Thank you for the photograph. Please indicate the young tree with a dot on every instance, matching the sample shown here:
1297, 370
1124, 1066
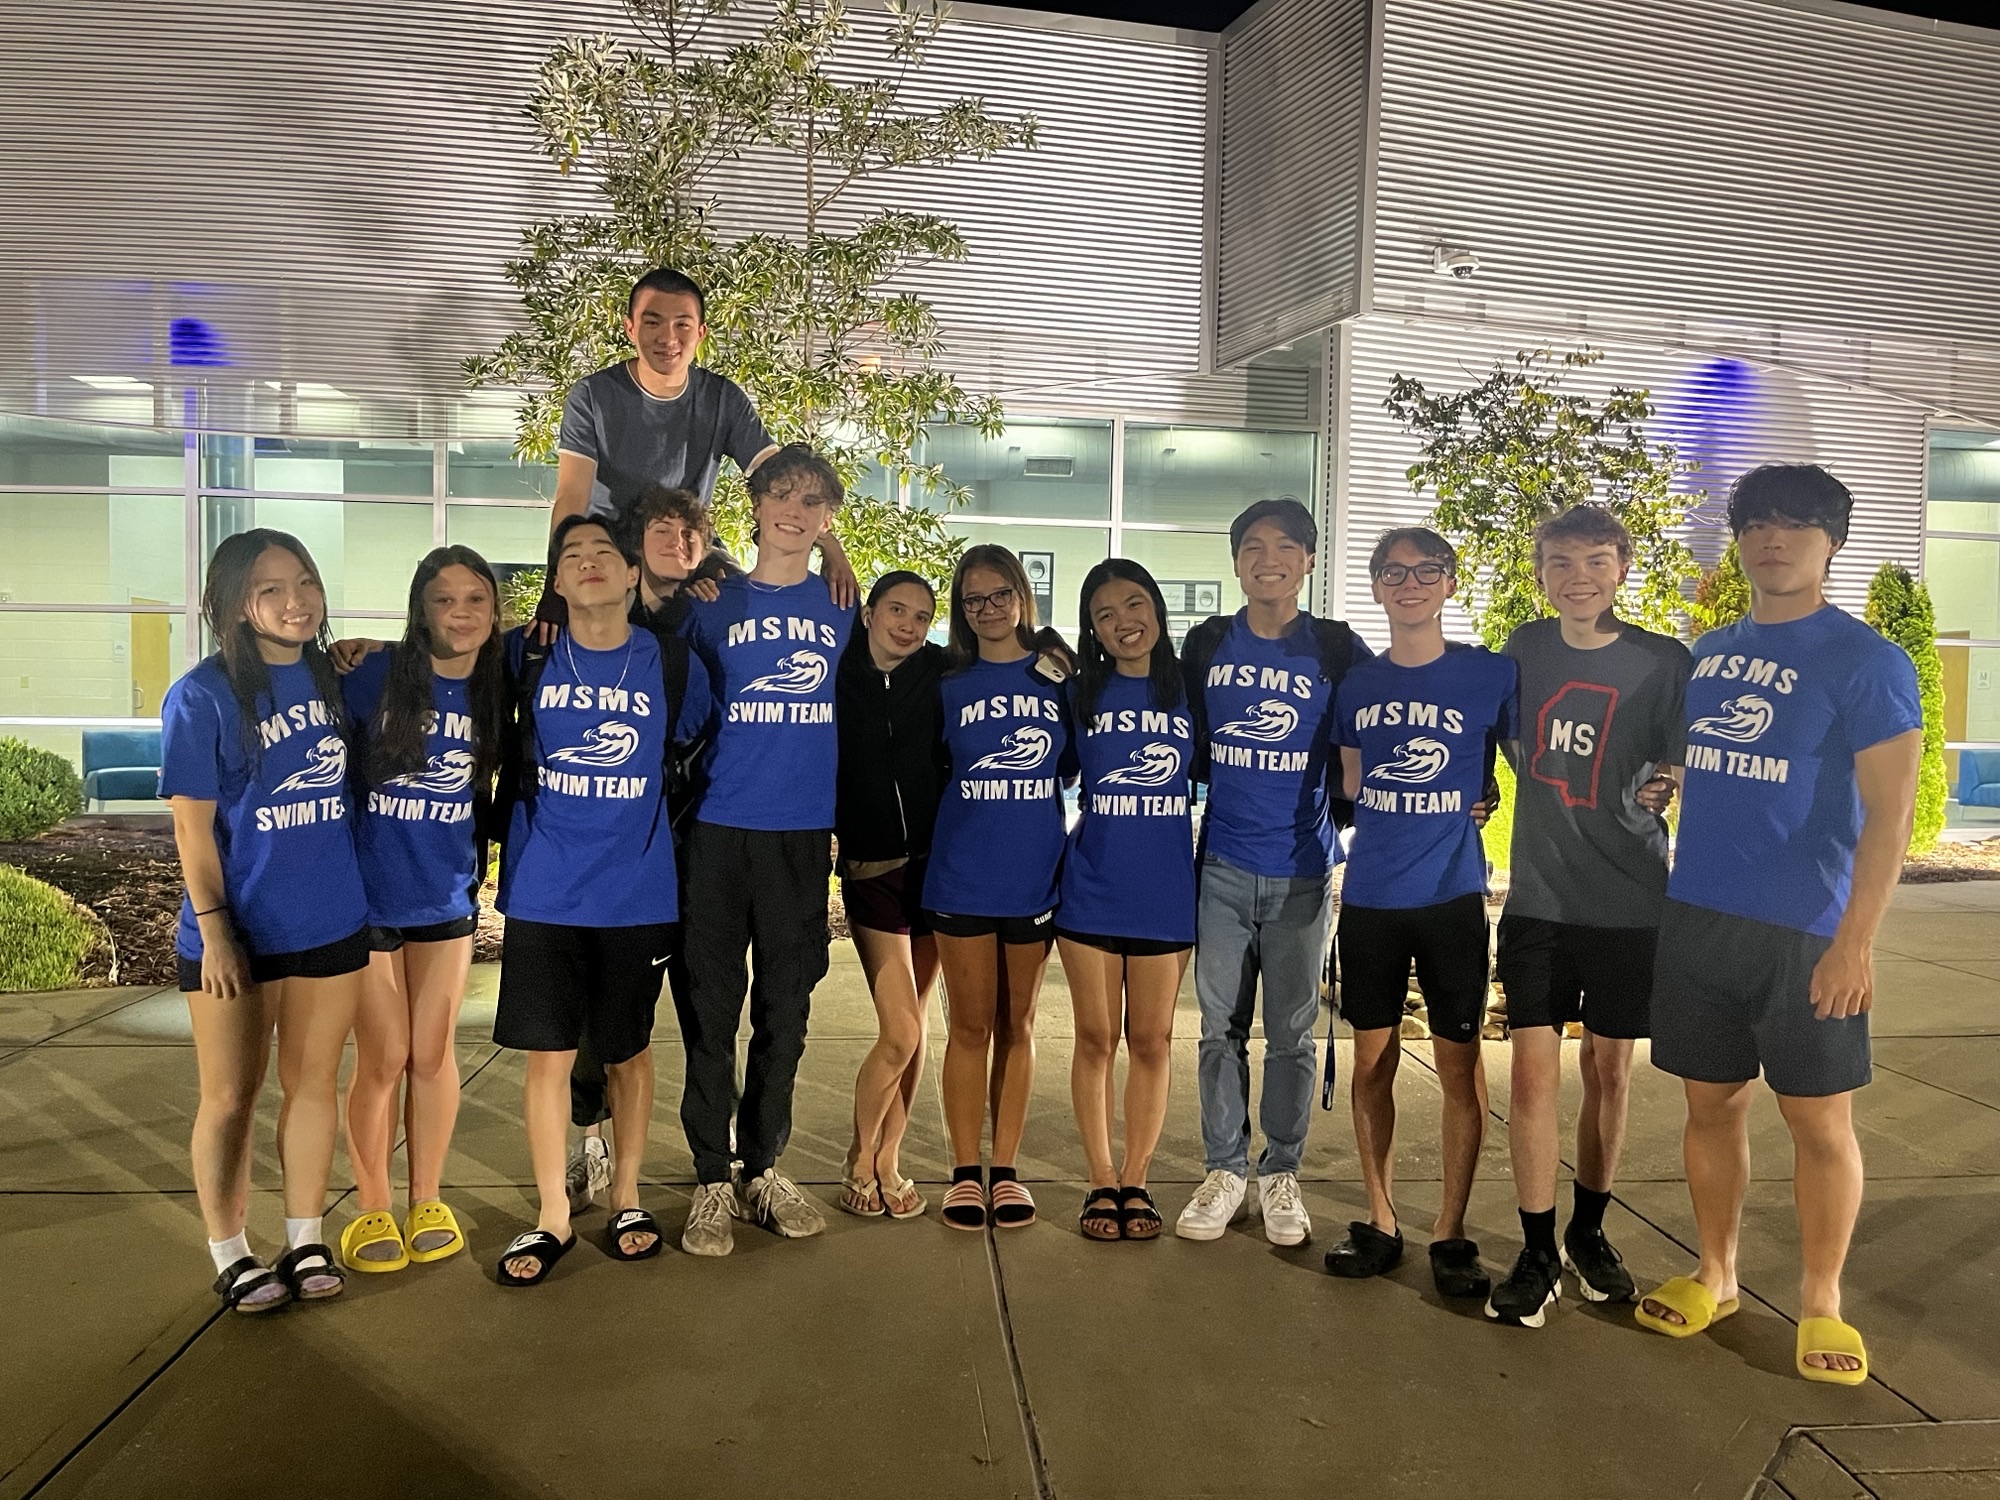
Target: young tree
1516, 449
1900, 607
813, 312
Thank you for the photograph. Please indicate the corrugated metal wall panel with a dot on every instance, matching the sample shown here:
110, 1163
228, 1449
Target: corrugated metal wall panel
1875, 445
1813, 184
336, 189
1295, 125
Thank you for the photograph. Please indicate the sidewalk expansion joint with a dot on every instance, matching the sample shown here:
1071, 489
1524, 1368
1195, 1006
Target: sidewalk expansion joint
1030, 1431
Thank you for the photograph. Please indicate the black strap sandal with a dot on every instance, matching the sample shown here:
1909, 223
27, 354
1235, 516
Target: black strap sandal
244, 1279
1366, 1252
1102, 1218
1140, 1216
308, 1263
1456, 1270
543, 1246
632, 1221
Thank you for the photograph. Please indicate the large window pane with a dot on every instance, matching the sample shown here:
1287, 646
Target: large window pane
36, 450
365, 552
1964, 580
1038, 467
314, 466
1056, 558
489, 471
1964, 466
93, 549
1962, 515
505, 535
1193, 571
99, 666
1971, 692
1204, 476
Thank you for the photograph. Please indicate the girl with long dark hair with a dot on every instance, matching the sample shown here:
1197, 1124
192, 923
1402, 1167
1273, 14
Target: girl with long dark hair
1127, 898
885, 805
254, 761
990, 891
430, 716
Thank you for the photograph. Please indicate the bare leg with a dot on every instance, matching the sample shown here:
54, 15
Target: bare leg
381, 1055
1826, 1187
1531, 1116
1607, 1092
896, 1122
436, 974
315, 1017
1096, 984
629, 1086
1463, 1077
971, 979
232, 1049
1151, 986
1376, 1054
1014, 1047
886, 958
1716, 1148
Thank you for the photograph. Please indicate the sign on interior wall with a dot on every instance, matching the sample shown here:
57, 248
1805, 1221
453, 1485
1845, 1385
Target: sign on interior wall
1041, 570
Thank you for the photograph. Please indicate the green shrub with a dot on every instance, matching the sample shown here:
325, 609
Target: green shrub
43, 937
38, 789
1900, 607
519, 595
1498, 834
1722, 597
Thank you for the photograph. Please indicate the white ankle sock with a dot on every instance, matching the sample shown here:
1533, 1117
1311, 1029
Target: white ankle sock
227, 1252
302, 1232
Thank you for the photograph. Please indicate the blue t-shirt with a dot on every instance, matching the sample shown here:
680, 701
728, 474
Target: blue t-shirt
1269, 732
415, 834
999, 834
1129, 868
1425, 735
771, 654
1770, 815
282, 816
594, 846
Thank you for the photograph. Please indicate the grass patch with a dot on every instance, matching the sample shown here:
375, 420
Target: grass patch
43, 934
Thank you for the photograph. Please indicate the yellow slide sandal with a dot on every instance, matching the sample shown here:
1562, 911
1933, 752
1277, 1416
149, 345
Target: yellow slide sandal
366, 1232
1831, 1336
433, 1232
1694, 1302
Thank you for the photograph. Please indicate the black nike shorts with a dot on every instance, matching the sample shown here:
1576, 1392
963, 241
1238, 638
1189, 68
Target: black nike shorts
1557, 972
1446, 944
560, 984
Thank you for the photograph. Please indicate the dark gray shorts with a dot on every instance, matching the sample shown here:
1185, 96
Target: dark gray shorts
1731, 994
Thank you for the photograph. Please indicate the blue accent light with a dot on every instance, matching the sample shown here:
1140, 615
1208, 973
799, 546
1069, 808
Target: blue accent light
1719, 417
192, 341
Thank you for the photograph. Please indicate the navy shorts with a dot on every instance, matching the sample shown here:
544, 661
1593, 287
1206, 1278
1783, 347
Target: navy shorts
1557, 972
1731, 995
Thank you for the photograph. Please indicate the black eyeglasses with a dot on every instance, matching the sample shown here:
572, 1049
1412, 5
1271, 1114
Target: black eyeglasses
977, 604
1395, 575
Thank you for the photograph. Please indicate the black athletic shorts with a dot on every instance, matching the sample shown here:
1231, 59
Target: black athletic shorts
1041, 929
389, 939
1557, 972
1446, 942
328, 961
560, 984
889, 902
1124, 947
1731, 994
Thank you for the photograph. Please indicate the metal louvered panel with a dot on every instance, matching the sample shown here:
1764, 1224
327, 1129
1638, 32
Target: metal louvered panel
1295, 125
1729, 418
333, 190
1814, 183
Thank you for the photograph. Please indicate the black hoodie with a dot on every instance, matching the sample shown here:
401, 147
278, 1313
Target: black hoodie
892, 764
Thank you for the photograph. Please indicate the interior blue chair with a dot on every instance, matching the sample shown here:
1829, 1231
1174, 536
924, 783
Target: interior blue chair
1979, 778
120, 765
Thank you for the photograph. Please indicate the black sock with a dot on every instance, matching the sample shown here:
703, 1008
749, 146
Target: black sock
1540, 1230
1588, 1215
965, 1174
1000, 1174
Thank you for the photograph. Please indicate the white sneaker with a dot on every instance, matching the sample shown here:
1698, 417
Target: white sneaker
777, 1204
1214, 1206
589, 1171
1285, 1219
710, 1226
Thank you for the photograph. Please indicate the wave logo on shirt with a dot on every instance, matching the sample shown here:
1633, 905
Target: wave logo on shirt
1419, 760
1741, 719
446, 775
801, 672
1273, 719
608, 744
1152, 765
326, 765
1021, 750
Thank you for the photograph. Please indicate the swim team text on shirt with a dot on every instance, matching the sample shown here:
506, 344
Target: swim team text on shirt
1776, 714
282, 815
1424, 735
770, 654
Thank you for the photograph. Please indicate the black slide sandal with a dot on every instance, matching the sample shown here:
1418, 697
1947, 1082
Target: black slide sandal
292, 1266
1100, 1208
1137, 1210
546, 1249
255, 1276
632, 1221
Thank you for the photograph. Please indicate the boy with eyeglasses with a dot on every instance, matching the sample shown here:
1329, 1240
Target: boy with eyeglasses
1418, 730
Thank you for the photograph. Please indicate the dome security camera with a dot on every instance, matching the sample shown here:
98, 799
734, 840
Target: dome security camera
1454, 261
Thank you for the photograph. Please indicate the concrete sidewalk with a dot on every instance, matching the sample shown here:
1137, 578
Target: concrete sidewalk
891, 1359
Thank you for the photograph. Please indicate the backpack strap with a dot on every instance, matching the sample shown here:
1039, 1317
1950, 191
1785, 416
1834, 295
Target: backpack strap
1198, 648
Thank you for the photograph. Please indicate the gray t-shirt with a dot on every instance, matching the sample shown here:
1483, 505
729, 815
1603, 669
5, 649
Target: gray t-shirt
1594, 726
636, 439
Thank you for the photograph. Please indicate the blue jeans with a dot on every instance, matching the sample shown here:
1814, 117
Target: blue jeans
1250, 925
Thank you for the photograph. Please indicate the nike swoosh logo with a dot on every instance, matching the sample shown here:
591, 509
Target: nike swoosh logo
658, 961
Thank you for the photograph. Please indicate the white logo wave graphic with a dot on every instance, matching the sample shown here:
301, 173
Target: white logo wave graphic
608, 744
1153, 765
1021, 750
1418, 760
447, 774
1273, 719
326, 765
801, 672
1741, 719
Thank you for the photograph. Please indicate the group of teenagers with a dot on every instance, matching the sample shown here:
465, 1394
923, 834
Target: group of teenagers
668, 755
